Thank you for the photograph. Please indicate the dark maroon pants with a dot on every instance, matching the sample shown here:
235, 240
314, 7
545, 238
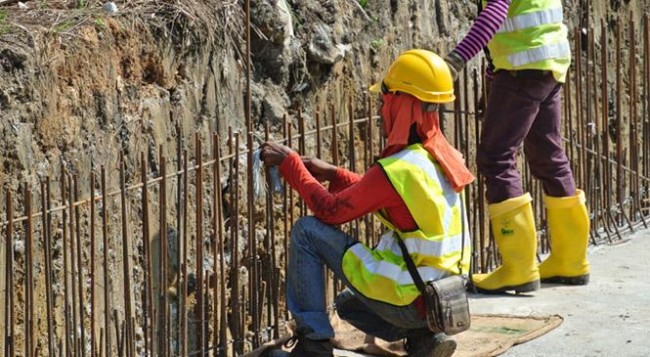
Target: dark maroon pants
523, 110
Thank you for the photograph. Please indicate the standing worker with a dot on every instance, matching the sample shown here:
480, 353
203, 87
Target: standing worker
415, 190
529, 58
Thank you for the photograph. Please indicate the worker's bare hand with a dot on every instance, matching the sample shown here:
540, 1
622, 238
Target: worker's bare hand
321, 170
273, 153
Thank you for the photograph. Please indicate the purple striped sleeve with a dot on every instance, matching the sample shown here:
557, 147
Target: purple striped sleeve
483, 29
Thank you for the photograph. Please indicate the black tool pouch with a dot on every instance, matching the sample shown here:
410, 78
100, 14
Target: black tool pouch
447, 305
445, 299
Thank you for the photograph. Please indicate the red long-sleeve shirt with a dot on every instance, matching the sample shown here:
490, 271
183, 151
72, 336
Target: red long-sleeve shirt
349, 196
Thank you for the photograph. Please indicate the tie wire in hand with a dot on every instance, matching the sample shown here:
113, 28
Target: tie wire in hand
259, 184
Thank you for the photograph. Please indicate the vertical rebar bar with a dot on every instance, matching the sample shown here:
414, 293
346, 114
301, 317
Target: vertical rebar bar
484, 248
619, 114
199, 245
620, 155
292, 203
274, 270
591, 100
464, 135
234, 215
605, 121
568, 131
147, 301
596, 201
319, 148
47, 242
182, 309
589, 183
93, 298
181, 215
214, 244
81, 265
646, 103
477, 195
247, 98
220, 283
73, 265
253, 299
581, 118
10, 316
29, 276
126, 242
301, 133
106, 282
163, 257
335, 144
352, 160
367, 152
466, 139
370, 153
285, 221
68, 344
301, 151
366, 162
633, 143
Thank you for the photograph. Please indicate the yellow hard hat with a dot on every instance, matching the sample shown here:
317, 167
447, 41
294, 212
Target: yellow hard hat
420, 73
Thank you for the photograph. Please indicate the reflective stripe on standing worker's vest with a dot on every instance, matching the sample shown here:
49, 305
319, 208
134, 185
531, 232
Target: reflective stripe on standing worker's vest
435, 246
533, 19
533, 36
556, 50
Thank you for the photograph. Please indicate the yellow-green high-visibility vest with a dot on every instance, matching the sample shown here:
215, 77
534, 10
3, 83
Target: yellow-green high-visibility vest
532, 37
435, 246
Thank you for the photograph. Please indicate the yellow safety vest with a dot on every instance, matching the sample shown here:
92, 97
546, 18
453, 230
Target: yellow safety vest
532, 37
435, 246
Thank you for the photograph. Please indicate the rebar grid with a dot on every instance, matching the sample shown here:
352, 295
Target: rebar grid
184, 259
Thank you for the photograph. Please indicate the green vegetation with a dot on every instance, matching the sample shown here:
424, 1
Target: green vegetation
63, 26
4, 25
363, 3
99, 24
377, 44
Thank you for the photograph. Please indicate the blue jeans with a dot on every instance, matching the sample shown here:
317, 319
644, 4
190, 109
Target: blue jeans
314, 243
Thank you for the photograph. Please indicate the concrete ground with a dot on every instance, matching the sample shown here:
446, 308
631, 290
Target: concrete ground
608, 317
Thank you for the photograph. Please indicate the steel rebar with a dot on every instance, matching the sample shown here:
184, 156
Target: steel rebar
10, 320
105, 268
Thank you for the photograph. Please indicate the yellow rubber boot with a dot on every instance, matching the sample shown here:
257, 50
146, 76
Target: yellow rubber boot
568, 225
513, 226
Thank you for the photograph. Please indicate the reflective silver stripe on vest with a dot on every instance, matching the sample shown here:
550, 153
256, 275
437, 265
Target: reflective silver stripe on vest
427, 247
449, 244
450, 195
392, 271
538, 18
425, 164
557, 50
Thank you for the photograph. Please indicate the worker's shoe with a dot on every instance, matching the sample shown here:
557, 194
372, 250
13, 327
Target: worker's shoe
513, 226
568, 225
424, 343
304, 347
308, 348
